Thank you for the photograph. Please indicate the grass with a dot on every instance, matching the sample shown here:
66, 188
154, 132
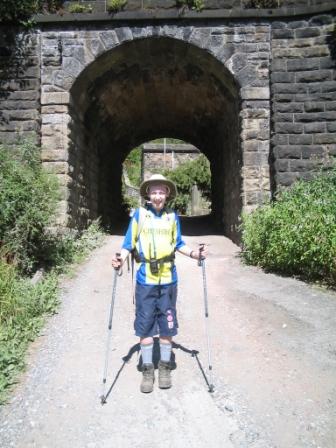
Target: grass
24, 306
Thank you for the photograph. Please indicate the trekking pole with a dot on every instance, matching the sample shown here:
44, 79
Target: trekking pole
109, 333
201, 262
128, 264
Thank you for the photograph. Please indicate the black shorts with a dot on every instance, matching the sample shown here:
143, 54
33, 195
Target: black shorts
155, 310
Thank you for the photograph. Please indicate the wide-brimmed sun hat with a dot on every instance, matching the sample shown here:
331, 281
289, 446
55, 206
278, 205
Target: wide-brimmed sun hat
158, 179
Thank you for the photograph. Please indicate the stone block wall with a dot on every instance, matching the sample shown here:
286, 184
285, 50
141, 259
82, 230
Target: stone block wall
268, 71
19, 84
303, 87
154, 160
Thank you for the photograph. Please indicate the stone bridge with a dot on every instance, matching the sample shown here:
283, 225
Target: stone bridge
254, 90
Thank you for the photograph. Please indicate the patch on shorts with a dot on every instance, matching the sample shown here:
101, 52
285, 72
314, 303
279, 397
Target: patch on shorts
170, 319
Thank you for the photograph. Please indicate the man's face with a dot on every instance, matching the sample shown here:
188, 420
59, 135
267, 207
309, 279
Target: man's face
158, 195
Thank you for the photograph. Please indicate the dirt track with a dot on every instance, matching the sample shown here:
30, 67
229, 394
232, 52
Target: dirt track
274, 359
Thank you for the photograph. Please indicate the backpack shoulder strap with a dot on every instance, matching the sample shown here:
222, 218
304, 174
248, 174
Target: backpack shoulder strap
171, 218
141, 221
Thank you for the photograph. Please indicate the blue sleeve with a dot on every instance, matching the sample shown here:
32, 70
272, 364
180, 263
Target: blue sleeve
179, 241
129, 240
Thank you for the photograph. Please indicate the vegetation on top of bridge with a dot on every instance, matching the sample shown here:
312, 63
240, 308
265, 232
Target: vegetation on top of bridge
296, 234
27, 11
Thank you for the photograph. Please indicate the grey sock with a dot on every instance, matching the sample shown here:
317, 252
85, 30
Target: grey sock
165, 352
147, 353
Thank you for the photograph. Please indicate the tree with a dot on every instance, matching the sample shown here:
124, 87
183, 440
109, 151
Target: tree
195, 172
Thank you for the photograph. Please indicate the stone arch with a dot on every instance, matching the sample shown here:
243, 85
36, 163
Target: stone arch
127, 88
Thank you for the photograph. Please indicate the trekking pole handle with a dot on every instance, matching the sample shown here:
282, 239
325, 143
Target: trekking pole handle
118, 257
200, 258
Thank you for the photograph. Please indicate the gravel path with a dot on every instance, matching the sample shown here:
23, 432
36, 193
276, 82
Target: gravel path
274, 357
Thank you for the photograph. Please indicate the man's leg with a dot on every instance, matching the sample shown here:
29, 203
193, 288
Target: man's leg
164, 363
165, 348
168, 328
145, 327
146, 346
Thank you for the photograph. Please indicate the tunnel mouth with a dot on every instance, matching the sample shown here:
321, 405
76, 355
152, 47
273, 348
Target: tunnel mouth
143, 90
182, 163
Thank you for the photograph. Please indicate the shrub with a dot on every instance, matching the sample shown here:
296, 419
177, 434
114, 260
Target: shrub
192, 4
132, 164
76, 8
185, 176
115, 5
24, 306
28, 200
67, 246
262, 4
296, 235
22, 310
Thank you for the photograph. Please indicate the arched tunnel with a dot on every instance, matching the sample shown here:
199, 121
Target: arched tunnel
146, 89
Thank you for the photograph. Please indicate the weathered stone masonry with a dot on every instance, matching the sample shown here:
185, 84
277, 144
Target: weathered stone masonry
256, 95
303, 97
20, 83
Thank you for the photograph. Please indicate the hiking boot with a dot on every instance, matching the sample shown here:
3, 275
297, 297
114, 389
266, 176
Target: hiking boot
147, 378
164, 375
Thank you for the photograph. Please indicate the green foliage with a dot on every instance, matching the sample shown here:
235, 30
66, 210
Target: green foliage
75, 8
21, 10
132, 165
261, 4
22, 310
24, 306
84, 242
130, 202
28, 199
69, 246
296, 235
185, 176
198, 5
13, 10
115, 5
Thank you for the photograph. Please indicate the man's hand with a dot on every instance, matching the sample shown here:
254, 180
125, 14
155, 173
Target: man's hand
117, 261
201, 253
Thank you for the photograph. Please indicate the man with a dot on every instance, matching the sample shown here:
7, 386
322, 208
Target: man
154, 235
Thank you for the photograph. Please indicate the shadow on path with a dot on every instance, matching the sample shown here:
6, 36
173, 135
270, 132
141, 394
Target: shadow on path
156, 357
